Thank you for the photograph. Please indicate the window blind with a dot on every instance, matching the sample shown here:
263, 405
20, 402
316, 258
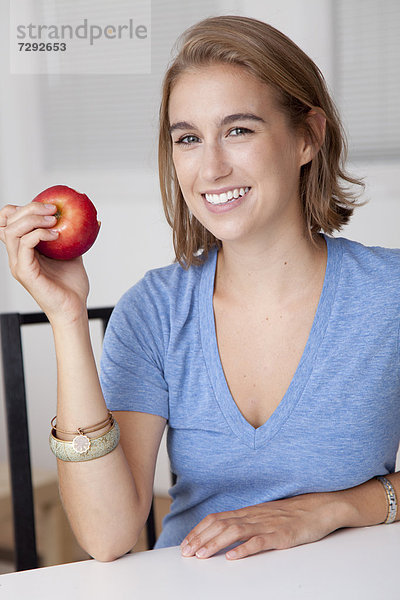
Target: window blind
110, 121
367, 75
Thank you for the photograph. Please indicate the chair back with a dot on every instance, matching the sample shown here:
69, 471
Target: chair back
18, 434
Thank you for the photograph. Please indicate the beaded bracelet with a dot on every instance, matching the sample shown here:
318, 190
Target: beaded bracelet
391, 499
83, 448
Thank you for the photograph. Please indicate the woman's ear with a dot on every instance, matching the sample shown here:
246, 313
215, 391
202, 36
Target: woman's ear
315, 133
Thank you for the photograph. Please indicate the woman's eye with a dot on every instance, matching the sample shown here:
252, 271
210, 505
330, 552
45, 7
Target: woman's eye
186, 140
240, 131
190, 139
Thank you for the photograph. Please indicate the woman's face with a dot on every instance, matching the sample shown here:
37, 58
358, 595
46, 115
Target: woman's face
236, 158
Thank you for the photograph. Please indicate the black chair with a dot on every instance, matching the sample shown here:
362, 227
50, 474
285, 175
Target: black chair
25, 551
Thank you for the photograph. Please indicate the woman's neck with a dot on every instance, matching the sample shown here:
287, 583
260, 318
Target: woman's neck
270, 272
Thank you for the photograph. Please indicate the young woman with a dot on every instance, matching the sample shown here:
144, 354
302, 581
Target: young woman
269, 347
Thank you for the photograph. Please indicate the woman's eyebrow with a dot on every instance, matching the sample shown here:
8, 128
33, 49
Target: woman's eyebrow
225, 121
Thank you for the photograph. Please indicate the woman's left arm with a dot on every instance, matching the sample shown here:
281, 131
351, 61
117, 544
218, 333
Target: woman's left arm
290, 522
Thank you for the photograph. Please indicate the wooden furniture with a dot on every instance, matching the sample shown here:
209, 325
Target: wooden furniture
18, 435
55, 541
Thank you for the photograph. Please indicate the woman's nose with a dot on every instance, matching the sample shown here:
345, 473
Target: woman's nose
214, 162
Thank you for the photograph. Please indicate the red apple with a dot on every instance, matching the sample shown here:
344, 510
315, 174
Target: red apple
76, 221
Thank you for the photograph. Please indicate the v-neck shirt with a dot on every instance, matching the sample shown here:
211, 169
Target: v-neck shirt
337, 425
256, 437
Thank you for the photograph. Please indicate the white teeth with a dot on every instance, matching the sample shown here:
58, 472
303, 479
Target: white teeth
226, 196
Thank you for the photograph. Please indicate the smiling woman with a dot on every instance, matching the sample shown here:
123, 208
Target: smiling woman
269, 348
295, 87
255, 153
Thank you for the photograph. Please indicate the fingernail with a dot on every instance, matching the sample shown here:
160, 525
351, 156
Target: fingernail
54, 232
50, 218
186, 550
201, 553
231, 554
49, 206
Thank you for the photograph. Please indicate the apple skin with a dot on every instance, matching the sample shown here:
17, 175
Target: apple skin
76, 222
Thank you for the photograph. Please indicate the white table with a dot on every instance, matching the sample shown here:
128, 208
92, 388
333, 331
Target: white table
352, 563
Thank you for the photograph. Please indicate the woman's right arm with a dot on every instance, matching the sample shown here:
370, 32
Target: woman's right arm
107, 500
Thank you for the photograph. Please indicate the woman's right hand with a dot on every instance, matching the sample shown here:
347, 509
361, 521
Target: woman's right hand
60, 287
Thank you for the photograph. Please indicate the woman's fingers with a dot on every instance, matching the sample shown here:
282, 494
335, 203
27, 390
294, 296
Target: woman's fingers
12, 212
256, 534
28, 223
59, 287
24, 234
15, 221
31, 240
20, 222
5, 213
215, 532
267, 526
215, 517
222, 534
25, 265
257, 543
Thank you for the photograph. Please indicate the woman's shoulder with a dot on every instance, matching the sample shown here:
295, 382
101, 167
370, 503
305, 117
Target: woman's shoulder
376, 267
365, 255
365, 249
164, 287
172, 280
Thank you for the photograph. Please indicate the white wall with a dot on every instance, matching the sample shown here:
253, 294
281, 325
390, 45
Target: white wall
134, 237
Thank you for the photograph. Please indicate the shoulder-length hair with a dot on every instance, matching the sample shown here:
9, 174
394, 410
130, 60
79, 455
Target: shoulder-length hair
326, 192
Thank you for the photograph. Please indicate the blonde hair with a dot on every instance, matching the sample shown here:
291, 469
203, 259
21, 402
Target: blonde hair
326, 198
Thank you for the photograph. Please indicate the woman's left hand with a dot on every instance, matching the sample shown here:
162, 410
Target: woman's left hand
268, 526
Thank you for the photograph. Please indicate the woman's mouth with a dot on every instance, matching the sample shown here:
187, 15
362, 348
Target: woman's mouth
226, 197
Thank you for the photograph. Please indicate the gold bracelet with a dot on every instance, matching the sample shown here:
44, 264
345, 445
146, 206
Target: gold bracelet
83, 430
87, 448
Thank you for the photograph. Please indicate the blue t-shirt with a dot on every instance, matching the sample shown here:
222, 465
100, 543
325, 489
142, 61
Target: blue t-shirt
338, 424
